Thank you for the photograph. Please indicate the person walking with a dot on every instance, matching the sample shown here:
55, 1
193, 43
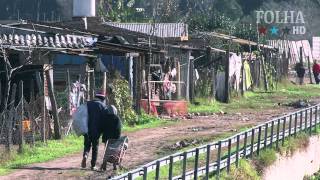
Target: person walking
96, 113
316, 71
300, 72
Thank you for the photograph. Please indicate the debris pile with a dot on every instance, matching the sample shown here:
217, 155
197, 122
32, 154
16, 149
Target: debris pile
299, 104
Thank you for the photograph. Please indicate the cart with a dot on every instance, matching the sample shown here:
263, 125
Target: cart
114, 152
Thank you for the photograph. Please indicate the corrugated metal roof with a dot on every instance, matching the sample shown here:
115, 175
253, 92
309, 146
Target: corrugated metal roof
57, 41
11, 36
163, 30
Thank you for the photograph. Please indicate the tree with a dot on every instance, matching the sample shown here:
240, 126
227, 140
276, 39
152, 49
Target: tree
119, 11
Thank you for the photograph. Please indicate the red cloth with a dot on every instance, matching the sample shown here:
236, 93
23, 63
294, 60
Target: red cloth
316, 68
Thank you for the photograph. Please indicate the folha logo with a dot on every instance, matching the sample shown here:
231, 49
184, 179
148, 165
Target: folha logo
292, 22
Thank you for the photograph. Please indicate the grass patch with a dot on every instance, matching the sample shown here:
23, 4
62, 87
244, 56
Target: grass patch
245, 171
40, 153
152, 124
146, 121
265, 159
205, 106
291, 145
258, 100
59, 148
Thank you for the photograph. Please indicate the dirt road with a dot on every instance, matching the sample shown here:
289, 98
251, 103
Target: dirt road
146, 144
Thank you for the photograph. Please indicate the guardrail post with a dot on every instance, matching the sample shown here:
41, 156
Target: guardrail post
145, 173
157, 170
129, 176
271, 137
171, 168
208, 161
229, 156
252, 142
290, 125
237, 150
301, 119
278, 132
259, 140
311, 120
196, 164
306, 120
245, 144
284, 129
184, 166
295, 124
266, 136
218, 160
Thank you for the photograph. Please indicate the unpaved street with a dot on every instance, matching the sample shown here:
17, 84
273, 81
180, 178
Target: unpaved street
146, 144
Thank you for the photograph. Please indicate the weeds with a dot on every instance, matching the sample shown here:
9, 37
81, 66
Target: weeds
265, 159
245, 171
291, 145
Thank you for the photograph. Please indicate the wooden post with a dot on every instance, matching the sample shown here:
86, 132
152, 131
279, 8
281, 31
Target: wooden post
188, 79
44, 115
93, 84
178, 79
68, 90
264, 71
89, 84
21, 117
10, 116
149, 57
310, 69
243, 80
227, 85
137, 80
105, 82
30, 111
57, 134
191, 85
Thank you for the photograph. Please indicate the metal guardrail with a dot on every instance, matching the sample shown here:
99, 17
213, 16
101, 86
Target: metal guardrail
212, 158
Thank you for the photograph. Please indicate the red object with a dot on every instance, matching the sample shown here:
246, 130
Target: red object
178, 108
316, 68
263, 30
153, 108
171, 108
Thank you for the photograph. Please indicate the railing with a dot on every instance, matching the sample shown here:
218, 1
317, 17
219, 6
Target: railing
210, 159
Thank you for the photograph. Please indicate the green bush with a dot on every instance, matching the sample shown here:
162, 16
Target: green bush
122, 99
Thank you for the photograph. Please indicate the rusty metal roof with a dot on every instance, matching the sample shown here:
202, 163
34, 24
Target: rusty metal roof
162, 30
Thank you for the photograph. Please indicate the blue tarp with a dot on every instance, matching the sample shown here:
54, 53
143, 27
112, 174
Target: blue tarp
117, 62
62, 59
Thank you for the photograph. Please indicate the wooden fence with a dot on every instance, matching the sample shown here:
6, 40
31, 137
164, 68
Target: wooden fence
208, 160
